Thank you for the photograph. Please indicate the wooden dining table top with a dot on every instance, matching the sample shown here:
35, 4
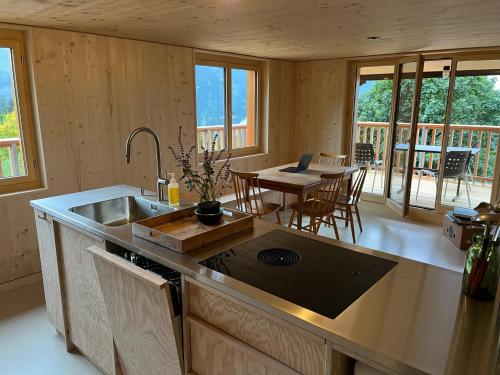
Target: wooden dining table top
300, 180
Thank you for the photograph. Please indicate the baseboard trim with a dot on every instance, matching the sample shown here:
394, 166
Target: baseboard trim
25, 280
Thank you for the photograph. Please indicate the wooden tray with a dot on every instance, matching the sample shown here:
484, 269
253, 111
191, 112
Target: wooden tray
181, 231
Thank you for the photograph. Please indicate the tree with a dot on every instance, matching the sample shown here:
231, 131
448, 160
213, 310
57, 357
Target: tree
9, 127
475, 101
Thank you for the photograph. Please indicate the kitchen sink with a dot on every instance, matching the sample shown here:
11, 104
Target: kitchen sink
121, 211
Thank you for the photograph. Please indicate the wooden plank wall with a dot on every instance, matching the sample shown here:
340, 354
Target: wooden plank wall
320, 106
91, 91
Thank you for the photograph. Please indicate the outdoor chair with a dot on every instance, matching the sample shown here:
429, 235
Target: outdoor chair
455, 166
365, 154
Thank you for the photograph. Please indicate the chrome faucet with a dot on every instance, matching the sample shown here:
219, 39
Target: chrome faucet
160, 182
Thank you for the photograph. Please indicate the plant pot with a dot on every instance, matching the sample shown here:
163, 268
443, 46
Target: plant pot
209, 213
212, 207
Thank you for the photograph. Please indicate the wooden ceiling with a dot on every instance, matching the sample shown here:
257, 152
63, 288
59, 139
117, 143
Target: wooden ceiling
283, 29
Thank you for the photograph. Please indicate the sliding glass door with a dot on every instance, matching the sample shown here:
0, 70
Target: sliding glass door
432, 125
475, 131
404, 125
373, 103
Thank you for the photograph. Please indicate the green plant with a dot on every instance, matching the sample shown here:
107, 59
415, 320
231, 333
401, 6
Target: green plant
212, 180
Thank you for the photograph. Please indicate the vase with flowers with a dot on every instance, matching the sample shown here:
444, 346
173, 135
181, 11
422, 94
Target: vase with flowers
209, 181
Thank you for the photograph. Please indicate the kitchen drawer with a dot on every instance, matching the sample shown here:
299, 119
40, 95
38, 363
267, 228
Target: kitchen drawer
284, 342
214, 352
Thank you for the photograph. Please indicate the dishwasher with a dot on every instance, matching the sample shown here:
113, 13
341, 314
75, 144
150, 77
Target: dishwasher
173, 277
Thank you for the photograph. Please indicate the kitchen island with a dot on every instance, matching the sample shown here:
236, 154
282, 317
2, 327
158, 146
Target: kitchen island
414, 320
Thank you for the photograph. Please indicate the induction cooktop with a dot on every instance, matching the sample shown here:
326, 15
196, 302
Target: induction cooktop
321, 277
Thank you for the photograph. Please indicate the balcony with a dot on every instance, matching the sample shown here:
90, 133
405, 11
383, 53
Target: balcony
11, 164
484, 137
240, 136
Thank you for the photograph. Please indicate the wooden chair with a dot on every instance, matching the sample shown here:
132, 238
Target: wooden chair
320, 206
348, 205
249, 196
334, 160
146, 332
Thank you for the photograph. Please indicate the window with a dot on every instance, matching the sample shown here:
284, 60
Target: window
18, 166
227, 103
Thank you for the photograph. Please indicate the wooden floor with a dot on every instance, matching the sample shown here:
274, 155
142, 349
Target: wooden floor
427, 192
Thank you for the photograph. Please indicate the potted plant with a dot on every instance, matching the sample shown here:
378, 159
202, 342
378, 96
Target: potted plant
209, 182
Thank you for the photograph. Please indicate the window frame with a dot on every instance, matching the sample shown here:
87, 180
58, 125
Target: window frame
14, 40
228, 63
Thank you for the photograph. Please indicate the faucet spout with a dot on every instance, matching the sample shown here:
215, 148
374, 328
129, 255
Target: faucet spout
160, 180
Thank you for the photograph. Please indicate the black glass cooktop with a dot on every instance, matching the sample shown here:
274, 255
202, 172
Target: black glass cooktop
321, 277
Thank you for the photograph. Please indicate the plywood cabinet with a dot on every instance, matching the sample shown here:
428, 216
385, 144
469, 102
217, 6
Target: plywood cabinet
51, 271
122, 319
223, 331
89, 327
215, 352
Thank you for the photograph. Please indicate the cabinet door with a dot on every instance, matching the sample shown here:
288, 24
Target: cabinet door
47, 246
214, 352
139, 304
287, 344
89, 327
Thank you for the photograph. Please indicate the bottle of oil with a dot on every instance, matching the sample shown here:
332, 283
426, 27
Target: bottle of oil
173, 191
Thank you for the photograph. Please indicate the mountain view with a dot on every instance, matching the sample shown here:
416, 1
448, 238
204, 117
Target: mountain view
210, 95
9, 127
6, 102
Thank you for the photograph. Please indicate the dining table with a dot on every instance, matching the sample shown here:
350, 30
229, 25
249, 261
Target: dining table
301, 183
435, 149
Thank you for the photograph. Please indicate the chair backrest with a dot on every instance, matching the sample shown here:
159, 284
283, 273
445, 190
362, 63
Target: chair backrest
364, 153
332, 159
357, 186
247, 191
455, 164
325, 199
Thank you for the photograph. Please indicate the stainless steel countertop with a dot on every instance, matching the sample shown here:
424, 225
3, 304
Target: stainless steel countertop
413, 321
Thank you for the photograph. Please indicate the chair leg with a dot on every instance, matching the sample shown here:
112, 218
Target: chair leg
346, 220
278, 218
312, 225
467, 190
349, 215
358, 217
374, 176
290, 222
418, 185
318, 224
335, 229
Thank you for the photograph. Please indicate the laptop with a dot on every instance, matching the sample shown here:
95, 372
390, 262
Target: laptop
304, 162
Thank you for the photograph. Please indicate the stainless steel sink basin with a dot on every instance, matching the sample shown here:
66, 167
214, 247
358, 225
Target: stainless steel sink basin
121, 211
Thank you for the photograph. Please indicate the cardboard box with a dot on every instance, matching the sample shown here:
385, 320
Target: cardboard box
459, 232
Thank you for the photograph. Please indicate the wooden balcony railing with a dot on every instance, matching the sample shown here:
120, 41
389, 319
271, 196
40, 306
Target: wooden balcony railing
206, 135
479, 136
12, 144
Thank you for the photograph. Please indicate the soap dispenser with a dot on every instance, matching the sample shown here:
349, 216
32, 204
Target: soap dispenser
173, 191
